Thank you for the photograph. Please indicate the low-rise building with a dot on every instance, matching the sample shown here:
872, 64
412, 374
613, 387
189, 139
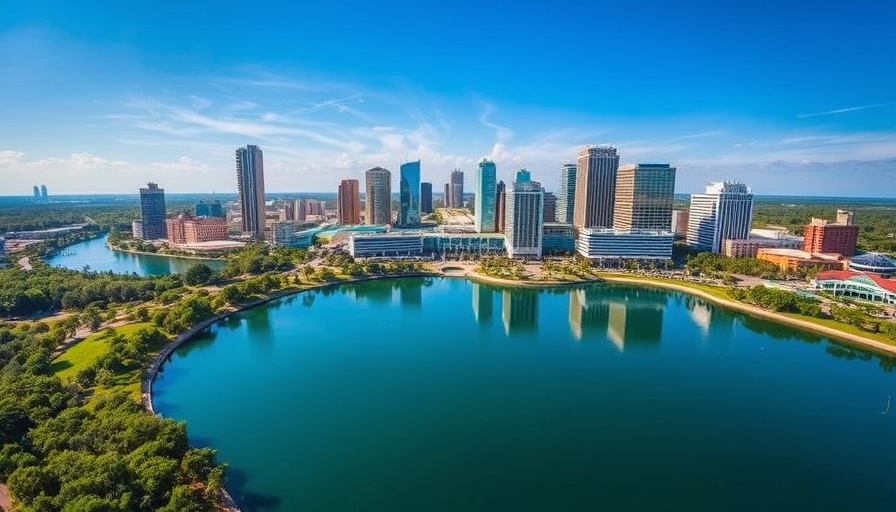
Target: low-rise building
857, 285
605, 243
193, 231
395, 244
761, 239
874, 262
794, 260
440, 243
558, 238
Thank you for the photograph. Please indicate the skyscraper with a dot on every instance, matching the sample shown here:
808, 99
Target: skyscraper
152, 212
566, 198
348, 204
44, 198
447, 195
724, 211
644, 194
409, 194
525, 208
210, 209
457, 189
550, 207
250, 182
500, 206
36, 194
425, 197
595, 187
485, 200
378, 205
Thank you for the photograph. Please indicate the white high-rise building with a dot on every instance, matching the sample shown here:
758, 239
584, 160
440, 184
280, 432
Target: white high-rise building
725, 211
524, 226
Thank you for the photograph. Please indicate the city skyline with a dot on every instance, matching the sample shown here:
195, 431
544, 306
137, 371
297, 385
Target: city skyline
104, 98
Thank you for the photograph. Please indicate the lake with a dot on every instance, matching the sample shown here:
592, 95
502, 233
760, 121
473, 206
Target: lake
440, 394
96, 254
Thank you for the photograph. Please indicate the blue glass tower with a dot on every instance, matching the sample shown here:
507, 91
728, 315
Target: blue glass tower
486, 182
409, 194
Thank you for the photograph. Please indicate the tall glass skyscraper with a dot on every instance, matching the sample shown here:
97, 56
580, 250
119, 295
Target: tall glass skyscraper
524, 227
566, 194
644, 194
725, 211
250, 181
425, 197
378, 200
152, 212
486, 181
595, 187
409, 194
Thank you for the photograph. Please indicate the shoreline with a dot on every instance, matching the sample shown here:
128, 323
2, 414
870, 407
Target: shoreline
164, 255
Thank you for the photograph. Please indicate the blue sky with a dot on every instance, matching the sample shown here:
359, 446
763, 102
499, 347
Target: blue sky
789, 96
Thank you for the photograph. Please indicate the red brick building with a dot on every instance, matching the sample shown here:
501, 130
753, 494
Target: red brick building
192, 231
824, 237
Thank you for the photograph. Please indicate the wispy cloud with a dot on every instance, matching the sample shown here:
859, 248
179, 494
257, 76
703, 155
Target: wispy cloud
842, 110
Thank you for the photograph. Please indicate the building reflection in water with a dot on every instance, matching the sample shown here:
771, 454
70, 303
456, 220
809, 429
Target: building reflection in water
627, 316
410, 292
483, 303
714, 323
520, 310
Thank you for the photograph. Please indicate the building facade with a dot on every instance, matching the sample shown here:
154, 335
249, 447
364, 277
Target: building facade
822, 236
724, 211
644, 194
210, 209
596, 169
794, 260
250, 182
184, 230
409, 194
500, 206
454, 190
485, 198
857, 285
394, 244
607, 243
425, 197
566, 196
524, 212
378, 205
550, 207
152, 212
679, 222
558, 238
348, 202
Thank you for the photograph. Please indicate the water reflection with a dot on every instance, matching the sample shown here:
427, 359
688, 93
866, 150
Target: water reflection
626, 316
483, 303
714, 323
520, 311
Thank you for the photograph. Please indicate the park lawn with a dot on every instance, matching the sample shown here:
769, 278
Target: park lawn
716, 291
85, 352
846, 328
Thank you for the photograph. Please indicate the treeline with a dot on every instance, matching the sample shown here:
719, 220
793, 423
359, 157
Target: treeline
711, 264
45, 288
260, 258
47, 216
778, 300
348, 265
56, 454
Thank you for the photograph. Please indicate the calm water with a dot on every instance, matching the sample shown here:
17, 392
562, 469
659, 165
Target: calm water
95, 254
444, 395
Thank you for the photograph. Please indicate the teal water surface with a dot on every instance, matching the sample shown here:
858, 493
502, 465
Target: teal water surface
445, 395
97, 256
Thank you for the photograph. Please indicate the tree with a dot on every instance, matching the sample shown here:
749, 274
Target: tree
198, 275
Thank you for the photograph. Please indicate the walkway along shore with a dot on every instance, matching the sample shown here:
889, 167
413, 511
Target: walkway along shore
162, 254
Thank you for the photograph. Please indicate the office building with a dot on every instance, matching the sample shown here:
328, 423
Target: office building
566, 197
550, 207
409, 194
822, 236
766, 238
500, 206
378, 205
250, 183
596, 169
525, 209
394, 244
183, 230
299, 207
425, 198
724, 211
36, 195
152, 212
607, 243
44, 197
455, 197
348, 202
557, 238
644, 194
210, 209
794, 260
485, 199
680, 222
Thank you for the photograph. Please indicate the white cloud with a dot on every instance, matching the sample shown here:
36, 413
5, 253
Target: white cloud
9, 158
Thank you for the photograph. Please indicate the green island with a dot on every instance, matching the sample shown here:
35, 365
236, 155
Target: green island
80, 349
